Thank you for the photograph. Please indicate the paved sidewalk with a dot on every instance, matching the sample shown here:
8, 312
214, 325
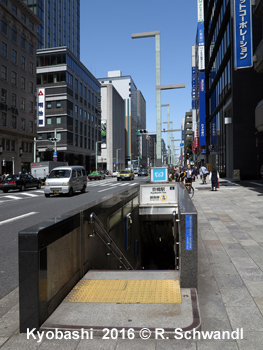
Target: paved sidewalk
230, 279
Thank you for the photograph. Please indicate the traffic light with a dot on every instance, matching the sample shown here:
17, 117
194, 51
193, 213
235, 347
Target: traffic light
142, 131
53, 139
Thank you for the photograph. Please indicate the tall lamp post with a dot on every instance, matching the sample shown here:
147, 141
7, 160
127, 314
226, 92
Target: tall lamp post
97, 154
156, 34
117, 159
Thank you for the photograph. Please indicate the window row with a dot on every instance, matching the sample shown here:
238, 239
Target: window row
16, 123
14, 58
14, 103
14, 36
14, 80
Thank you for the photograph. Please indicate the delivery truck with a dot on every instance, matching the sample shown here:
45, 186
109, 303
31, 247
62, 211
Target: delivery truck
40, 170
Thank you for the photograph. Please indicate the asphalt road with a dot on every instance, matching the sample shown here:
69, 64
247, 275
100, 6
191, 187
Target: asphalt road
19, 210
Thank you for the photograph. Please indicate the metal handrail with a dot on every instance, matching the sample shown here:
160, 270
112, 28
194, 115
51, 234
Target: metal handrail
176, 240
111, 245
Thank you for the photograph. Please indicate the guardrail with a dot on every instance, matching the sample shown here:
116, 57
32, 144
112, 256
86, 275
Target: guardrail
55, 255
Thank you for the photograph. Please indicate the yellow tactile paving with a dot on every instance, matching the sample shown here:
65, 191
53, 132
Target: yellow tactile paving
126, 291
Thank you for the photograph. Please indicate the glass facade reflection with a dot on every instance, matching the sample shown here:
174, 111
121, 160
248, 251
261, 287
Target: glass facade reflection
60, 23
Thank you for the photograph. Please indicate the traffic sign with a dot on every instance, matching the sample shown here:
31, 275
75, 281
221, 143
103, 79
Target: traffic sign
182, 144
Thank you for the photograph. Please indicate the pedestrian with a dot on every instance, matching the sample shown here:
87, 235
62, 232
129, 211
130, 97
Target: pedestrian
214, 178
189, 174
204, 173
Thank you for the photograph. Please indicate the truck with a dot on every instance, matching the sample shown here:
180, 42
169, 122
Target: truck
40, 170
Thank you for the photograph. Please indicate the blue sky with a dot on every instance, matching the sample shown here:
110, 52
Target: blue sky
106, 27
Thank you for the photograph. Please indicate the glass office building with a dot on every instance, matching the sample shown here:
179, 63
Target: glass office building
60, 23
231, 95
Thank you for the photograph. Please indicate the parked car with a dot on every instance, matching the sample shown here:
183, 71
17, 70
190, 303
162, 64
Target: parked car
125, 174
143, 172
96, 175
19, 182
115, 173
66, 180
136, 170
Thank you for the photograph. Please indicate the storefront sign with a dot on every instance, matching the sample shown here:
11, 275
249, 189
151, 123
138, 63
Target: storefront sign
243, 34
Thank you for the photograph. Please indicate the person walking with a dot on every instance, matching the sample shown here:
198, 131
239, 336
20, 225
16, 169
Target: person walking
189, 174
204, 172
214, 178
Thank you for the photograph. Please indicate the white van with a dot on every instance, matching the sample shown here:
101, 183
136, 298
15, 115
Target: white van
66, 180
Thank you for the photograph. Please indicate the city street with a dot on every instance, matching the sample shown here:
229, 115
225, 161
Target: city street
20, 210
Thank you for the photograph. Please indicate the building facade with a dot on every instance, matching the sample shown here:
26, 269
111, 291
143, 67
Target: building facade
68, 108
60, 23
231, 94
112, 129
133, 116
18, 39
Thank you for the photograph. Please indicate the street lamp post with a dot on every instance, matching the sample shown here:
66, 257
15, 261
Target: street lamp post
156, 34
117, 159
97, 154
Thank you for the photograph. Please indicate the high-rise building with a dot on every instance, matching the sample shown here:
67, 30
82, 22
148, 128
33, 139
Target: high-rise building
18, 38
60, 23
226, 37
135, 109
68, 108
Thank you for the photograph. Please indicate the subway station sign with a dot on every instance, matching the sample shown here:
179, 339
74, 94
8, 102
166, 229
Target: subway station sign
243, 34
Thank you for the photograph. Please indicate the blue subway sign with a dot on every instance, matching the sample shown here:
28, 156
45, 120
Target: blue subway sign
243, 34
189, 232
159, 174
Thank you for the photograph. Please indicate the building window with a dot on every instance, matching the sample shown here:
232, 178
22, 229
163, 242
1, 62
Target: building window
23, 104
14, 56
7, 145
49, 105
23, 124
30, 106
49, 121
4, 72
58, 104
23, 62
31, 87
14, 34
13, 100
13, 145
31, 67
3, 96
13, 121
23, 17
30, 126
13, 78
23, 41
14, 9
4, 49
4, 116
30, 47
23, 83
4, 26
59, 120
31, 25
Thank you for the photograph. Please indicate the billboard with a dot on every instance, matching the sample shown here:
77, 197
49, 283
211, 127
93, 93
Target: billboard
243, 34
103, 134
41, 110
202, 109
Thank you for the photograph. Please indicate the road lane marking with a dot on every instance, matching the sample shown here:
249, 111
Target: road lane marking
29, 194
17, 218
13, 197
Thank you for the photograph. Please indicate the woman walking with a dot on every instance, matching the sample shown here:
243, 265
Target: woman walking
214, 178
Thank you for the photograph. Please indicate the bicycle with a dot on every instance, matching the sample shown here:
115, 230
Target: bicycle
190, 189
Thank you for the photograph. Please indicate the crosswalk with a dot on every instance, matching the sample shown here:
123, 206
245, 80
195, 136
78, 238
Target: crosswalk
102, 185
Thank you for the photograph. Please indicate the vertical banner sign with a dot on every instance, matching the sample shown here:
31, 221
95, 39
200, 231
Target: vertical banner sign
40, 107
193, 89
243, 34
103, 134
202, 108
213, 131
189, 232
201, 35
